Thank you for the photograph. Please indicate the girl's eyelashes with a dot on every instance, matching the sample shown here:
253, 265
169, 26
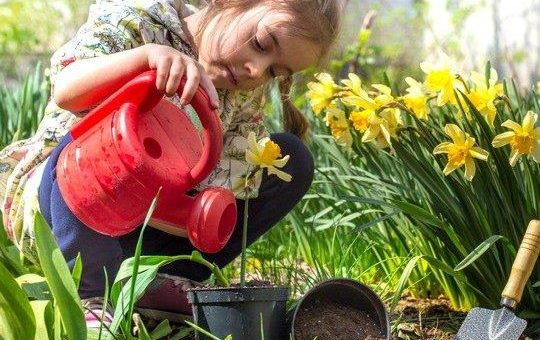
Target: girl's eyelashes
257, 44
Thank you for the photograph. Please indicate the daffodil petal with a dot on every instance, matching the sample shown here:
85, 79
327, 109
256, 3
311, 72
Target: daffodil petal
470, 169
252, 158
382, 89
386, 134
371, 133
281, 174
457, 135
449, 169
529, 120
252, 141
503, 139
442, 148
514, 156
479, 153
536, 152
280, 163
511, 125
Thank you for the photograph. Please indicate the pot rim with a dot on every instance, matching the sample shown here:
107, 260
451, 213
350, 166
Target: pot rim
211, 295
385, 324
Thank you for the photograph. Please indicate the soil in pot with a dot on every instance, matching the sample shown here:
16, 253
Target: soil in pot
331, 321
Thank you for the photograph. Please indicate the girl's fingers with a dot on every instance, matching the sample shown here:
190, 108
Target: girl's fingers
162, 72
175, 76
207, 84
193, 77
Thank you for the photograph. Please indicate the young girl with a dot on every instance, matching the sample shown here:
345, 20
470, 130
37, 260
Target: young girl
234, 46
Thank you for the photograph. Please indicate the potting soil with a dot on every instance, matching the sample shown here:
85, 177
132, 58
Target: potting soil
330, 321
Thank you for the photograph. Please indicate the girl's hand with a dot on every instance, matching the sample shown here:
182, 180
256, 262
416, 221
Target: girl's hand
171, 65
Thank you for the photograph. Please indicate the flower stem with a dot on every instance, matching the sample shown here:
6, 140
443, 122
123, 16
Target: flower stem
244, 242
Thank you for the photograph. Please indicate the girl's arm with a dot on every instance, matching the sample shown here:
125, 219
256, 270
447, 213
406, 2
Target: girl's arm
86, 82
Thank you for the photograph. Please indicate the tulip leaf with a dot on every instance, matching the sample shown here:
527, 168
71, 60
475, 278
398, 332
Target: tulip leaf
16, 316
60, 280
161, 330
44, 316
34, 286
477, 252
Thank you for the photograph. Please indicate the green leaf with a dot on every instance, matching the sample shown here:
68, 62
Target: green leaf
34, 286
76, 273
44, 316
205, 332
418, 213
182, 334
161, 330
403, 280
536, 285
60, 280
125, 297
477, 252
143, 332
16, 317
197, 256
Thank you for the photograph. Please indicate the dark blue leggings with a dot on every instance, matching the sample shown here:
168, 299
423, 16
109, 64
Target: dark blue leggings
276, 198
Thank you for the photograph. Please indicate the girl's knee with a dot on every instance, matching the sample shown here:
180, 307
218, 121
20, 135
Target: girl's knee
300, 165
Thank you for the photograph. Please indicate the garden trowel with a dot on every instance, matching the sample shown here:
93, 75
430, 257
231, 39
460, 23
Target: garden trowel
503, 324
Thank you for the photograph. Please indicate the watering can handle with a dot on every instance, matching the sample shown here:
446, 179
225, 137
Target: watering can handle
142, 92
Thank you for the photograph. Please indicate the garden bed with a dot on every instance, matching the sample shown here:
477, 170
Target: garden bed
413, 318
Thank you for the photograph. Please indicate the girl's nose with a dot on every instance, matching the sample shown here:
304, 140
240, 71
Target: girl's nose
257, 68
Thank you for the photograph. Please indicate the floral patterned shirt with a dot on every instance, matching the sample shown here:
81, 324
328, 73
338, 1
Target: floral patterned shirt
114, 26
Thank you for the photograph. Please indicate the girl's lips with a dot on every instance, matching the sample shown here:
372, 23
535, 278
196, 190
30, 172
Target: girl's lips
231, 77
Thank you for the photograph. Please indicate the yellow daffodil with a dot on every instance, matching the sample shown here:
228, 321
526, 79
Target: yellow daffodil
460, 152
441, 78
339, 127
354, 95
353, 85
360, 119
383, 127
321, 93
361, 100
265, 154
524, 139
483, 96
416, 99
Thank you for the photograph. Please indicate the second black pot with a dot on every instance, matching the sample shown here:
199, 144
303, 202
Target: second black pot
344, 292
243, 313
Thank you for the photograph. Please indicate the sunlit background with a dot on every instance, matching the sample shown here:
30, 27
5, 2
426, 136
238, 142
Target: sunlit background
405, 32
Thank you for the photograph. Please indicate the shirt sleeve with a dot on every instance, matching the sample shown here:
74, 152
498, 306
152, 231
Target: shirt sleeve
105, 32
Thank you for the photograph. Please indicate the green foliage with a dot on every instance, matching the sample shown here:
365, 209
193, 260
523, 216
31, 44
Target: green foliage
467, 232
60, 281
22, 107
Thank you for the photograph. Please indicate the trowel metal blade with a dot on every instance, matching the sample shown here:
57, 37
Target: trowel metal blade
486, 324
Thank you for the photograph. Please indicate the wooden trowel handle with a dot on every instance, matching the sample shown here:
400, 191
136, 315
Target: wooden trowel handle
524, 263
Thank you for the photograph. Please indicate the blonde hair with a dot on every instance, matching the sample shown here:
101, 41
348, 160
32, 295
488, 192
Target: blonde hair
317, 21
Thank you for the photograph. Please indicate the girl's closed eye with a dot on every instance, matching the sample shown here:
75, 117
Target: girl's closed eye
260, 48
257, 44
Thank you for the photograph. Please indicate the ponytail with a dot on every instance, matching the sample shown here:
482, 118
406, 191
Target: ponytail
294, 120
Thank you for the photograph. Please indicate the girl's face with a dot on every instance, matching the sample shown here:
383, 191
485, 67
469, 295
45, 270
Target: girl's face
247, 50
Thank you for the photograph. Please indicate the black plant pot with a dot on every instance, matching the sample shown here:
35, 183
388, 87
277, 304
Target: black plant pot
343, 292
245, 313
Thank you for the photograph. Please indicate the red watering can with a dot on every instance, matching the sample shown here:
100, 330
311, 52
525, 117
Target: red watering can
132, 144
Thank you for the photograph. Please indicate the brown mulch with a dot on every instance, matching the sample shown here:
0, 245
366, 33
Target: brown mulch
421, 319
